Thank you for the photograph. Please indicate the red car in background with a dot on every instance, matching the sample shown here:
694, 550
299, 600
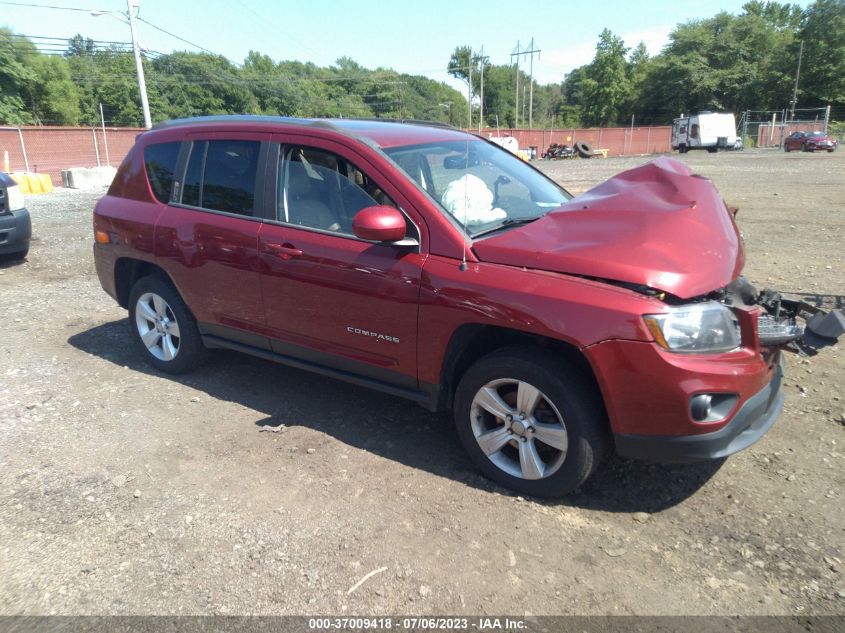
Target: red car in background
809, 142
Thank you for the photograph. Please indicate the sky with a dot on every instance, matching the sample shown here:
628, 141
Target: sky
409, 36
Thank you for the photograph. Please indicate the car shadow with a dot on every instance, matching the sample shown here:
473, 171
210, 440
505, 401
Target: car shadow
388, 426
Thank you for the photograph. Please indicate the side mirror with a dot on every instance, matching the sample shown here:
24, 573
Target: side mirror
379, 224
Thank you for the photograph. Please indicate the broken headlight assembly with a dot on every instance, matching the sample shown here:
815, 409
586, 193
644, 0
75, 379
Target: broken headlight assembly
704, 328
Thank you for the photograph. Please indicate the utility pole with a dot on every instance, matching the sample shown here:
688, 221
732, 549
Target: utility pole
482, 60
529, 51
516, 100
131, 7
129, 18
797, 74
469, 92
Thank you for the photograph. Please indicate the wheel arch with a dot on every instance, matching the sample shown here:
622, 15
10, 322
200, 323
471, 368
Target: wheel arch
127, 271
472, 341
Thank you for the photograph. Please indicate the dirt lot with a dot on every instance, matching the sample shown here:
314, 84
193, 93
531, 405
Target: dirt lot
125, 491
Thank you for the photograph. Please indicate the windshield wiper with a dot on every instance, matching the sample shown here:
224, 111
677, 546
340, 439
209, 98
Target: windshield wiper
507, 222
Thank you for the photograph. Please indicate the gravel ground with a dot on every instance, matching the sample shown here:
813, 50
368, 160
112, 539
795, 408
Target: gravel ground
125, 491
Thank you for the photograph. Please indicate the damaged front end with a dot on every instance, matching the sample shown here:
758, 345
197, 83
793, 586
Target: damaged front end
788, 324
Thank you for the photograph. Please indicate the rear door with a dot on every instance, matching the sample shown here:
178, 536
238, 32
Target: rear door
330, 298
208, 237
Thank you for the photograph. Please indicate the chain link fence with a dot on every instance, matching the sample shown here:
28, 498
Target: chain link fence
618, 141
769, 128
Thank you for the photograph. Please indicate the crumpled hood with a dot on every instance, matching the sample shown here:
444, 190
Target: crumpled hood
657, 225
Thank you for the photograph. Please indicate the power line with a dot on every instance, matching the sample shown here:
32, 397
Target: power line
48, 6
62, 39
181, 39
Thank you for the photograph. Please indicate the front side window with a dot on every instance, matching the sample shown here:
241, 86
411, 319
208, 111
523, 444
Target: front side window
483, 187
160, 162
321, 190
693, 131
221, 176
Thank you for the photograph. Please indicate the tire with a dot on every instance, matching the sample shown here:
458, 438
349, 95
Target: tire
18, 256
786, 148
566, 403
712, 150
584, 150
154, 307
682, 149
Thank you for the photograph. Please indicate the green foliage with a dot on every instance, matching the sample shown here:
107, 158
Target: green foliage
36, 88
823, 68
726, 62
15, 77
606, 85
53, 96
837, 130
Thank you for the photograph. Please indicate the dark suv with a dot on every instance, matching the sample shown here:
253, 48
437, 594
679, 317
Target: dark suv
15, 224
433, 265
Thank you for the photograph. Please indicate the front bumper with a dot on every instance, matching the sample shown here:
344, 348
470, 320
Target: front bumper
753, 419
15, 231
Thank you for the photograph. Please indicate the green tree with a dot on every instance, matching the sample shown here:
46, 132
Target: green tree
606, 87
14, 77
53, 97
823, 69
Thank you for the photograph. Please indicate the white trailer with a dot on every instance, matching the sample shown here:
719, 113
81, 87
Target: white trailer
706, 130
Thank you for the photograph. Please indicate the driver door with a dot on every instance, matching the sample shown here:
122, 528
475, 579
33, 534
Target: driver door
330, 298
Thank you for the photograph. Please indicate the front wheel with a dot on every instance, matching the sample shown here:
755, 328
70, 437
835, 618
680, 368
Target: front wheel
531, 422
163, 327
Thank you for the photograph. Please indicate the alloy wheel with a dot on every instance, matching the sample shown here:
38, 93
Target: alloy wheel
157, 326
519, 428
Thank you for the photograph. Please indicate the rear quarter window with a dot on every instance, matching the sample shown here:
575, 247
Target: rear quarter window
221, 176
160, 162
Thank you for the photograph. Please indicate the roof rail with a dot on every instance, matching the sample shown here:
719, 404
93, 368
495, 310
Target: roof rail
258, 118
423, 122
235, 118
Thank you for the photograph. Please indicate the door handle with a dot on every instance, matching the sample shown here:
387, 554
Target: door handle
284, 251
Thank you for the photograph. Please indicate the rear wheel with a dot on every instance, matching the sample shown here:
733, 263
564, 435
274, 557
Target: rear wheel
164, 330
530, 422
682, 149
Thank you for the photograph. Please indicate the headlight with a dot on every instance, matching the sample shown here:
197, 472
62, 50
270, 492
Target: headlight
15, 197
699, 327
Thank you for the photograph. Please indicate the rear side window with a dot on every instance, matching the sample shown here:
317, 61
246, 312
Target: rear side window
160, 161
221, 176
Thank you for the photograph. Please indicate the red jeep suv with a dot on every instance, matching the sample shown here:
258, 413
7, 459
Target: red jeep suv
431, 264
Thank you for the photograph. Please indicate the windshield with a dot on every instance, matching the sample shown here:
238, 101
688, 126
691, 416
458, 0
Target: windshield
481, 185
